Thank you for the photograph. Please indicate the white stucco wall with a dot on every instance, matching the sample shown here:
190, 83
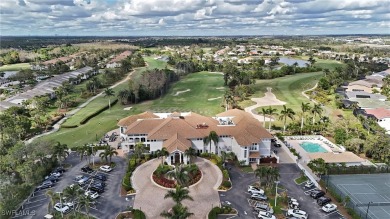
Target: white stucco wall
265, 147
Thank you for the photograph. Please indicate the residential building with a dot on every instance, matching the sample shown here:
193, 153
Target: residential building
116, 61
239, 132
382, 116
362, 94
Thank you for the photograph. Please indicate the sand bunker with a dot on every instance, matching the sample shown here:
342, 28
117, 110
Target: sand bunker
269, 99
220, 88
179, 92
216, 98
127, 108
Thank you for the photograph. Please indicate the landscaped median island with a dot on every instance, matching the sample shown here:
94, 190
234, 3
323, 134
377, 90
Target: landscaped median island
169, 177
133, 213
219, 162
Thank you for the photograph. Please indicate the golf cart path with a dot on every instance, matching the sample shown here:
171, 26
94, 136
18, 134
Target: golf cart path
56, 126
269, 99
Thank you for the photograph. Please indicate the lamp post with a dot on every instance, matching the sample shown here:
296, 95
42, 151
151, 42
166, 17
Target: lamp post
62, 214
93, 155
276, 192
368, 207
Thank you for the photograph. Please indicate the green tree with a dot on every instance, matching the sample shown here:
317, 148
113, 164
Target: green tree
108, 153
261, 173
271, 112
108, 92
212, 137
61, 151
305, 107
190, 153
284, 114
177, 212
264, 111
318, 166
316, 110
180, 174
53, 198
138, 150
179, 194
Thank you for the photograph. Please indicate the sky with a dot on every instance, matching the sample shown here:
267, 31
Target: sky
193, 17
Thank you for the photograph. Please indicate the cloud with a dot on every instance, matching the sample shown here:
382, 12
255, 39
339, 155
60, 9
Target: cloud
193, 17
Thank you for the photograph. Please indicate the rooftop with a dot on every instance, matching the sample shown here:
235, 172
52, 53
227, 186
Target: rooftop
345, 157
379, 113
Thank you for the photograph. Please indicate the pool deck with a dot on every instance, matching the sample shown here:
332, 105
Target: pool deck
304, 154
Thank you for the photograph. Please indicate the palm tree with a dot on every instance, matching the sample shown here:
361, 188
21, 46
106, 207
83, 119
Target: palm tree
271, 112
265, 112
316, 110
108, 92
61, 151
108, 153
304, 107
138, 150
123, 95
284, 114
180, 174
71, 193
179, 194
311, 60
272, 176
190, 152
177, 212
229, 99
54, 197
212, 137
84, 202
261, 172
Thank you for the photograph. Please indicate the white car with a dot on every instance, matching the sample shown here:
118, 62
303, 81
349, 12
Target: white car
92, 195
329, 208
61, 208
253, 190
265, 215
309, 184
105, 168
297, 213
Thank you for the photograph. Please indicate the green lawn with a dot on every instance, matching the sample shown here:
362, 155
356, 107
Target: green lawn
329, 64
202, 86
301, 180
153, 63
15, 67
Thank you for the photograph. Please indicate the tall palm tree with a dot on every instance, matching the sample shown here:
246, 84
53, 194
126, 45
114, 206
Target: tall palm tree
229, 99
190, 152
305, 107
163, 153
138, 150
108, 153
123, 95
53, 197
179, 194
212, 137
272, 176
261, 173
108, 92
316, 110
61, 151
180, 174
284, 114
85, 202
177, 212
271, 112
71, 193
264, 112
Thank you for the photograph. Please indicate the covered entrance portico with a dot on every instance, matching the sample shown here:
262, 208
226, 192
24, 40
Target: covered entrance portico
177, 157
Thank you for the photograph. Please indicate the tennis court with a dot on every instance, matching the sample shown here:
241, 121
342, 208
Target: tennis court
364, 189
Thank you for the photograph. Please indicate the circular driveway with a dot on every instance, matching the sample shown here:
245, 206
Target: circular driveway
150, 198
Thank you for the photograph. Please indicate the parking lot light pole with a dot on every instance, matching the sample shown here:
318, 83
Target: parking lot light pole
368, 207
276, 191
62, 214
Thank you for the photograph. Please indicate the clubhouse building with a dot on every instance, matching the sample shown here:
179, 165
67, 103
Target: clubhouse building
239, 132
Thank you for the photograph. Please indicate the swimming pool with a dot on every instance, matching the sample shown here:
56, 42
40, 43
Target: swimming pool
311, 147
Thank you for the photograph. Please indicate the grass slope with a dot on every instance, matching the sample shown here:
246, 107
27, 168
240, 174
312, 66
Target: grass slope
202, 87
15, 67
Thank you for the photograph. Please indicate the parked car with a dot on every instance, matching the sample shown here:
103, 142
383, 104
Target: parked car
278, 145
52, 178
97, 189
91, 194
253, 190
60, 207
321, 201
105, 168
81, 180
263, 207
100, 176
293, 205
59, 169
329, 208
99, 183
265, 215
309, 184
87, 169
56, 174
258, 196
297, 213
317, 193
45, 185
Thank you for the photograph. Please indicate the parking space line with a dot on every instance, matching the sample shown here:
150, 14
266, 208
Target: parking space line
32, 207
43, 199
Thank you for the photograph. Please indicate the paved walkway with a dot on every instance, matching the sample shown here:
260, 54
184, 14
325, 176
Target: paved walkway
269, 99
57, 126
150, 198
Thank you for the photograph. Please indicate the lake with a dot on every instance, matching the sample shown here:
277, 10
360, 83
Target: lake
291, 61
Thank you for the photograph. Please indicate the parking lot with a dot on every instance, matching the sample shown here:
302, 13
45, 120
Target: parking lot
108, 204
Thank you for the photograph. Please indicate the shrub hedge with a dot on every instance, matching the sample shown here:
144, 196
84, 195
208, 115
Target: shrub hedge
86, 119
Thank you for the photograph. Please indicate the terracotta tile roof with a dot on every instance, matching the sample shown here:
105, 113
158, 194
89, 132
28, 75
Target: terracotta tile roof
345, 157
177, 142
143, 126
130, 119
120, 57
170, 126
254, 154
379, 113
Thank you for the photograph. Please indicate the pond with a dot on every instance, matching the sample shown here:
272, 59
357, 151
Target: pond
291, 61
